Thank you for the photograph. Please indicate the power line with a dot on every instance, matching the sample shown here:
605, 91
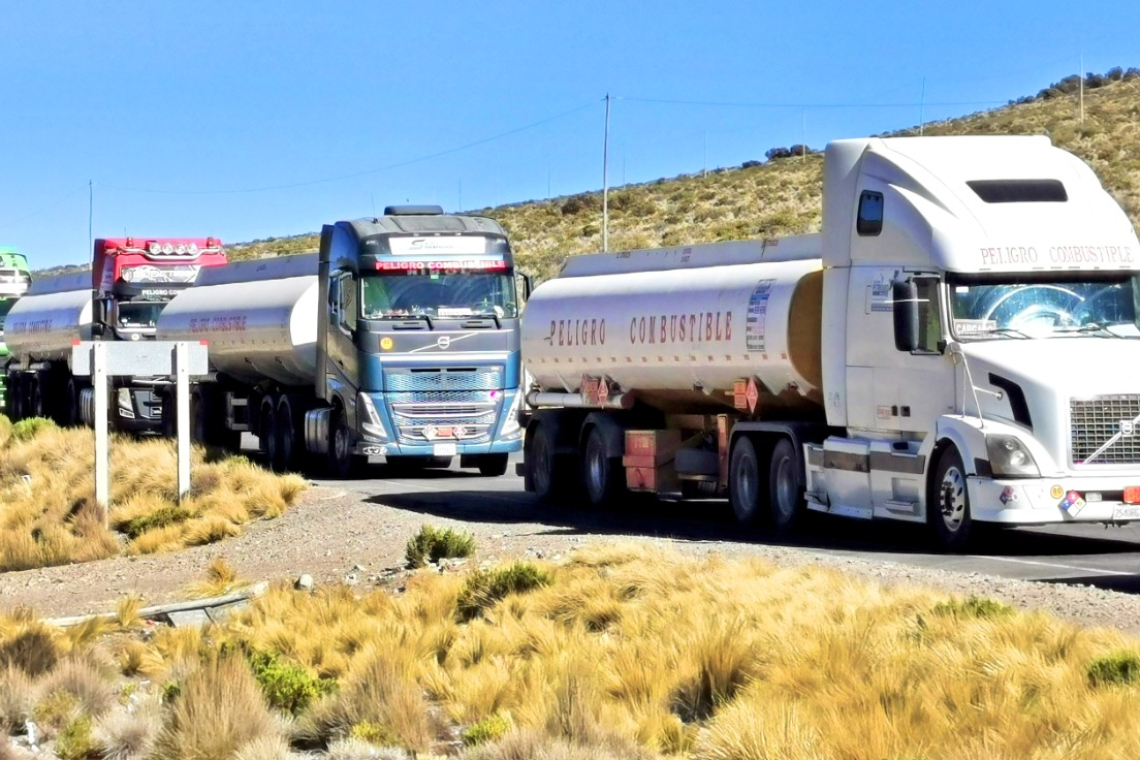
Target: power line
364, 173
47, 207
716, 103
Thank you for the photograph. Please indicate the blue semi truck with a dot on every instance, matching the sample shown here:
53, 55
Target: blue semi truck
397, 343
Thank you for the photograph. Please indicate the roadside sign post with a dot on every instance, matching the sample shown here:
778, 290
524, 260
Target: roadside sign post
103, 360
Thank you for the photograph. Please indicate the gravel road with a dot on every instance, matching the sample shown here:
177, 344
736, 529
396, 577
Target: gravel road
337, 534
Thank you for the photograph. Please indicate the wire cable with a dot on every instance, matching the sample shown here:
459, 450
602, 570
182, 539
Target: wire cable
365, 172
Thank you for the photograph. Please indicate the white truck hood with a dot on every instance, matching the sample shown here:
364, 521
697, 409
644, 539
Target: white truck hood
1075, 389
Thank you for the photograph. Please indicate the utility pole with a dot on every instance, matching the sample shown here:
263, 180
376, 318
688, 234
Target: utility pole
1082, 95
803, 134
705, 172
90, 218
921, 108
606, 181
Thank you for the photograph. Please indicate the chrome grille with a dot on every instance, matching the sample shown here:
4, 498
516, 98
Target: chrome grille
484, 379
437, 416
1093, 421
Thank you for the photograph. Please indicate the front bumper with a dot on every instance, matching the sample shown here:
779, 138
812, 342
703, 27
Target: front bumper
396, 450
1043, 501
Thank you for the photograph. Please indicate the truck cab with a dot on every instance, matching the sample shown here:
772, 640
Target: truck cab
979, 323
420, 359
131, 281
15, 278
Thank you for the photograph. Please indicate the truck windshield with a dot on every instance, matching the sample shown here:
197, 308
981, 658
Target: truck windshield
439, 295
139, 314
1046, 307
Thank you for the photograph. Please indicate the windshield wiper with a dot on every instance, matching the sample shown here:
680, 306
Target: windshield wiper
1008, 332
410, 317
1102, 331
487, 315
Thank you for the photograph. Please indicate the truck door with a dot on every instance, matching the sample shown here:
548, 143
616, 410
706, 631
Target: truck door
344, 368
895, 391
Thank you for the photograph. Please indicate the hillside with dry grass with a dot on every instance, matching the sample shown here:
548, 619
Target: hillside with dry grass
618, 653
49, 516
784, 196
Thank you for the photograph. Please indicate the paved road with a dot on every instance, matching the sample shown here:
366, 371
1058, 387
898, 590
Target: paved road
1093, 555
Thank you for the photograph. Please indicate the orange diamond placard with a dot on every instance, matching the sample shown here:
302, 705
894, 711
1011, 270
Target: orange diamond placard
752, 394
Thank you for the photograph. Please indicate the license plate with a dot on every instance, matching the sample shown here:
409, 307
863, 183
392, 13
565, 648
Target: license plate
1126, 513
444, 449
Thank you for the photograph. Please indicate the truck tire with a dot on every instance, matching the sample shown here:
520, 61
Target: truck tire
169, 426
744, 482
342, 464
549, 476
290, 435
948, 504
15, 410
268, 434
785, 494
37, 397
601, 474
492, 465
74, 403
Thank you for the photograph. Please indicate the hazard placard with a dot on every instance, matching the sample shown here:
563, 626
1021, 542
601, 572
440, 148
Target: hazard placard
752, 394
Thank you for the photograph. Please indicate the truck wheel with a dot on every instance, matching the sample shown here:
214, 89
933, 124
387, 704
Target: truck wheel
549, 479
268, 434
785, 494
492, 465
744, 482
288, 438
199, 424
15, 402
74, 405
948, 506
37, 394
599, 472
342, 463
169, 416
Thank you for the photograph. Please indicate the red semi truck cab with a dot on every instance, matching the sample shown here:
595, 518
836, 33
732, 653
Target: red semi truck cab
135, 277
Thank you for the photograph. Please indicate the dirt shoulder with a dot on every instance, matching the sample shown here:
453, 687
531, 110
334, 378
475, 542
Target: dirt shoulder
336, 536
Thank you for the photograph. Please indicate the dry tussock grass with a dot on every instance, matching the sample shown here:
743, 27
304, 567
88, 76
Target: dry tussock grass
220, 711
712, 658
48, 515
631, 652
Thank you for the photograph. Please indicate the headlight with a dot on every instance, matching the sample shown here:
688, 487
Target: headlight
511, 420
372, 426
1010, 458
126, 410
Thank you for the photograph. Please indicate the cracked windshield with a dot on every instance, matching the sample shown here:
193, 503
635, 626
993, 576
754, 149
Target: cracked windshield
439, 294
1100, 306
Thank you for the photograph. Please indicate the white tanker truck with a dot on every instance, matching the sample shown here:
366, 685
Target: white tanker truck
958, 346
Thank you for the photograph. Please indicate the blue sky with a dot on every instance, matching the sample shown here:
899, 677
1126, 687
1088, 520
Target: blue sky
246, 120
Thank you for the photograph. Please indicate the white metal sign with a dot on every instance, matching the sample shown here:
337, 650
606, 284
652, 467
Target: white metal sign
102, 360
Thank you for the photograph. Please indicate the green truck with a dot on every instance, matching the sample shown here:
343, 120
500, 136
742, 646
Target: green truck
15, 277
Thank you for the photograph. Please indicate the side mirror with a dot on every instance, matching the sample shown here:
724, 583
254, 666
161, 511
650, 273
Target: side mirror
905, 297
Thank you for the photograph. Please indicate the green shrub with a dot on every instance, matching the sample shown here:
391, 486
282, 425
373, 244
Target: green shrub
75, 741
287, 687
376, 734
26, 430
973, 607
171, 690
490, 729
486, 587
433, 544
159, 518
1118, 668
